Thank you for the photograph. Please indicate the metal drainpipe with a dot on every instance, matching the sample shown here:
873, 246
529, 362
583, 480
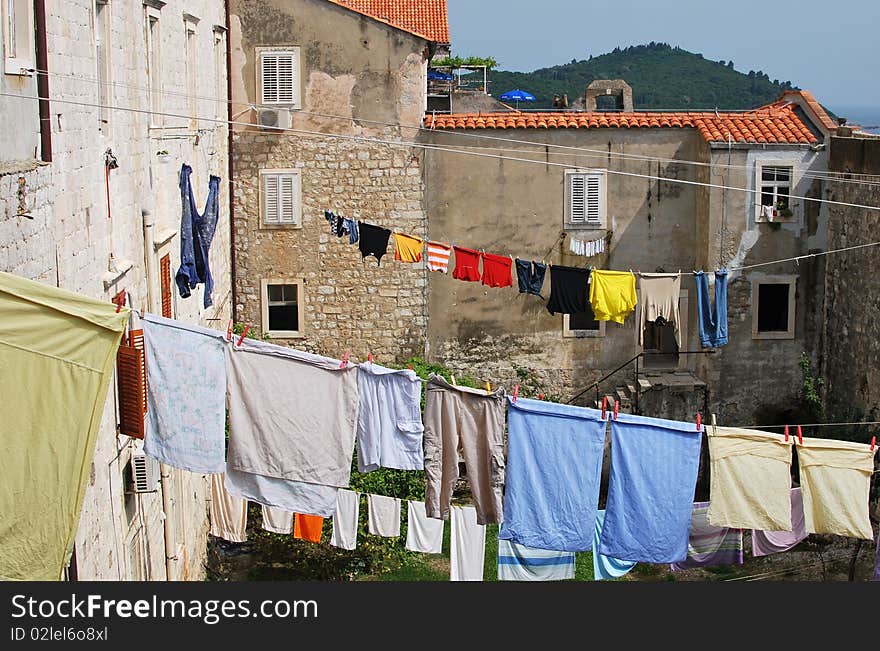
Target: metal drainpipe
43, 81
164, 470
229, 117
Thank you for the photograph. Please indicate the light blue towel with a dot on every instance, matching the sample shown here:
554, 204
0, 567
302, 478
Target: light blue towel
520, 563
606, 568
654, 466
554, 464
186, 395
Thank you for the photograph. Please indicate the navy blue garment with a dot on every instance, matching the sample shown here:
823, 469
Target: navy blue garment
530, 276
196, 235
568, 289
712, 320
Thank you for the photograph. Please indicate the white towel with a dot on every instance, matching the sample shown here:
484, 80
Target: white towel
345, 519
384, 515
228, 513
423, 534
467, 545
521, 563
277, 520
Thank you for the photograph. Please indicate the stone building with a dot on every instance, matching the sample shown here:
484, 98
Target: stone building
89, 202
318, 89
661, 190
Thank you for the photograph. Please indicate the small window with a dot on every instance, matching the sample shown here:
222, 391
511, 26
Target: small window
102, 62
279, 77
773, 306
582, 324
154, 68
282, 307
192, 69
281, 197
584, 199
775, 183
18, 36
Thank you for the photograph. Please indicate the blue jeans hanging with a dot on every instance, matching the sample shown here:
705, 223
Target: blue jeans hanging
712, 320
196, 235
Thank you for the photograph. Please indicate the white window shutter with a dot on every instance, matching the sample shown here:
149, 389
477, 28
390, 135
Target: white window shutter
593, 212
279, 77
576, 198
286, 198
270, 193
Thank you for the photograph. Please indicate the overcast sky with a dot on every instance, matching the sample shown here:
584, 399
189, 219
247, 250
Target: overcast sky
828, 48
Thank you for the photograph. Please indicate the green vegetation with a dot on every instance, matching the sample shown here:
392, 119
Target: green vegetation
458, 62
661, 76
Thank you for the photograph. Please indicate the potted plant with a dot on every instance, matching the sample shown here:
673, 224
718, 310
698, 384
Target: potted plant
164, 156
782, 210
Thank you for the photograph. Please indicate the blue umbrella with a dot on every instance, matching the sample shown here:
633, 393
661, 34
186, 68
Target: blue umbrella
439, 76
517, 96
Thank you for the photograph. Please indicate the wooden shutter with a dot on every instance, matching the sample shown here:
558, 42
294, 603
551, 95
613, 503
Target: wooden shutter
131, 372
165, 284
287, 198
577, 198
280, 195
279, 78
593, 199
270, 198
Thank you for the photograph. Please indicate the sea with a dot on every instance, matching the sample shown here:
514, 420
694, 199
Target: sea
867, 117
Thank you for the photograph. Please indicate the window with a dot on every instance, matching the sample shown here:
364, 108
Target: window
282, 307
219, 72
131, 381
102, 61
773, 307
165, 284
279, 77
281, 203
775, 180
154, 67
192, 102
584, 199
582, 324
18, 36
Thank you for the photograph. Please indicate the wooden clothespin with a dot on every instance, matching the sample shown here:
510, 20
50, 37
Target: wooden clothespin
243, 334
713, 420
604, 406
229, 331
488, 387
515, 393
616, 408
345, 359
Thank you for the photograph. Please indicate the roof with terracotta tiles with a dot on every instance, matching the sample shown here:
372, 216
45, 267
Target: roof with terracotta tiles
774, 123
426, 18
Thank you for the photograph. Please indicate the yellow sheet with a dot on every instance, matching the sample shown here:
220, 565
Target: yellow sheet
57, 351
612, 294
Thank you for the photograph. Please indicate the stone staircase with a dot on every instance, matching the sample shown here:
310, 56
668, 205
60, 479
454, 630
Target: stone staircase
675, 395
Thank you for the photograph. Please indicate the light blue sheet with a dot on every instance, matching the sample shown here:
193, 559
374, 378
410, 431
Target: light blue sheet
554, 465
654, 465
606, 568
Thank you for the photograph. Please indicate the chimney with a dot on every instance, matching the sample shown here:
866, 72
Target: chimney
618, 89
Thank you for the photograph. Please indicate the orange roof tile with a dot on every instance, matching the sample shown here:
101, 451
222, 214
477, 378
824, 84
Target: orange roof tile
426, 18
774, 123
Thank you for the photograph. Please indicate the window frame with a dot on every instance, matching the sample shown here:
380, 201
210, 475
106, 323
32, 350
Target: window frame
219, 42
300, 305
153, 60
297, 198
296, 85
102, 29
190, 50
794, 179
791, 281
602, 176
23, 11
567, 331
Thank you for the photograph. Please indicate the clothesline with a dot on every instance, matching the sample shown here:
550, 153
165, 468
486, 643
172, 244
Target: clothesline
592, 153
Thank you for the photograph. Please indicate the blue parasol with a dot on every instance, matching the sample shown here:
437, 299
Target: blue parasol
517, 96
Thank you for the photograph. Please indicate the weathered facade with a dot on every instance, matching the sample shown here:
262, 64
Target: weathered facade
649, 223
67, 221
312, 68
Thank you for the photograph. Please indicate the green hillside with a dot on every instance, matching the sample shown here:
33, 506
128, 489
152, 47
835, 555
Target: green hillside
661, 76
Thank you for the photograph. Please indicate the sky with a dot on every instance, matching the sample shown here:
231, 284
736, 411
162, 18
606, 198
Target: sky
829, 49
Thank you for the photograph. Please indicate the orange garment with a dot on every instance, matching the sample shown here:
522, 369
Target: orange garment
407, 249
308, 527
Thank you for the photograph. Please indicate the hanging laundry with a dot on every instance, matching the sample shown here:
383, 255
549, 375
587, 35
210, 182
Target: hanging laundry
836, 483
57, 351
228, 513
530, 276
520, 563
292, 418
336, 225
345, 519
474, 420
586, 248
277, 520
373, 241
554, 467
767, 213
709, 545
654, 466
185, 362
467, 545
407, 248
568, 289
350, 226
390, 430
196, 235
467, 264
423, 534
438, 256
750, 479
712, 319
612, 294
497, 270
658, 295
606, 568
765, 543
383, 515
308, 527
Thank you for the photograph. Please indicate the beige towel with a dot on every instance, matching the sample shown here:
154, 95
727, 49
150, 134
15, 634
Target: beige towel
277, 520
751, 479
228, 513
836, 480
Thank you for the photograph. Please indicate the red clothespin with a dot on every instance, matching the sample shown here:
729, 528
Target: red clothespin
243, 334
409, 366
699, 422
229, 331
616, 408
800, 436
515, 392
344, 359
370, 358
786, 433
540, 396
604, 406
873, 443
